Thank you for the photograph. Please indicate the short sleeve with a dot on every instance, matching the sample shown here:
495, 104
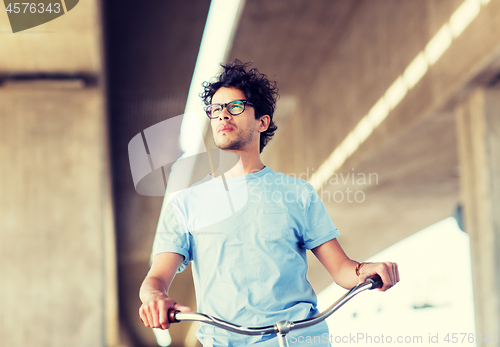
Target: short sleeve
319, 226
172, 235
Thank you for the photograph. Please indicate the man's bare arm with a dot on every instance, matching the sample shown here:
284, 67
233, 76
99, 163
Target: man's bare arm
342, 269
154, 291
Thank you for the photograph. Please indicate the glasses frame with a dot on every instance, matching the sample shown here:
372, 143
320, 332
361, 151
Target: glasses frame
208, 107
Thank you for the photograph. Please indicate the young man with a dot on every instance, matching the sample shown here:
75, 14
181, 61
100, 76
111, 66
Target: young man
247, 231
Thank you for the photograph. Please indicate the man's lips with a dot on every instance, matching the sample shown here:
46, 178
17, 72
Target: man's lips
225, 128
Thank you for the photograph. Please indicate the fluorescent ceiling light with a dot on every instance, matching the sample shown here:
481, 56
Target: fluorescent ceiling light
438, 44
463, 16
416, 70
215, 43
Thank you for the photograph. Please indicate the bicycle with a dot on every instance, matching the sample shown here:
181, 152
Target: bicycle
281, 328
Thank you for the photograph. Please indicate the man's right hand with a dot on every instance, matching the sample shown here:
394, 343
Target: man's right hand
154, 312
154, 289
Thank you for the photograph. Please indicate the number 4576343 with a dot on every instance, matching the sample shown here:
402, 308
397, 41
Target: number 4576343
27, 7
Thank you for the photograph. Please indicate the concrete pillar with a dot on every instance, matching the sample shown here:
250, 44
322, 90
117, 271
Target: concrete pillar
478, 133
57, 259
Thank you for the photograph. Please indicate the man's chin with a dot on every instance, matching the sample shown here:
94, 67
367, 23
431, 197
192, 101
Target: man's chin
227, 148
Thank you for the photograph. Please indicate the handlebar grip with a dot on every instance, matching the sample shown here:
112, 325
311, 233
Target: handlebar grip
171, 316
376, 282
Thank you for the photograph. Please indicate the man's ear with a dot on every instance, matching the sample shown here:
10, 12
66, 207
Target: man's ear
264, 123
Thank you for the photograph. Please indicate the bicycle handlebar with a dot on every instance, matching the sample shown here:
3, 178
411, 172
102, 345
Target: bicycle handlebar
282, 327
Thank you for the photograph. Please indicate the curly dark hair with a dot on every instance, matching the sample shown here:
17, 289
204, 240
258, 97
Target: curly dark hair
256, 87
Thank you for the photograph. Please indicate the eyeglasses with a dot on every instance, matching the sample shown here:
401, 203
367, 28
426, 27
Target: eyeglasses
234, 108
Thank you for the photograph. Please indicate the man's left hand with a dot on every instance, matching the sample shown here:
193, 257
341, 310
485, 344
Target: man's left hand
388, 272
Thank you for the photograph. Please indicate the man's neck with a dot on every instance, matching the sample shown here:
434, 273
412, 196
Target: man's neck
247, 164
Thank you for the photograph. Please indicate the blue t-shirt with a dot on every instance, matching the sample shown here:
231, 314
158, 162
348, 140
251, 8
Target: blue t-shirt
247, 237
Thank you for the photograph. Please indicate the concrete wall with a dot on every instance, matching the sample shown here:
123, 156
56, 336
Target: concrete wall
57, 248
54, 211
478, 130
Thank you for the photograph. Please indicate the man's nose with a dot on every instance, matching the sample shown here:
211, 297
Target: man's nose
224, 114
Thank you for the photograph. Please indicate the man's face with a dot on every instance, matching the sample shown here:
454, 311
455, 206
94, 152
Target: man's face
234, 132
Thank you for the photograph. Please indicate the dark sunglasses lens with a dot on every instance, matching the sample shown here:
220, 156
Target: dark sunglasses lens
236, 107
